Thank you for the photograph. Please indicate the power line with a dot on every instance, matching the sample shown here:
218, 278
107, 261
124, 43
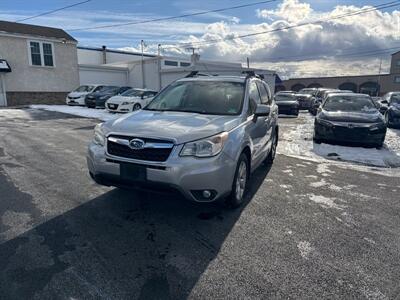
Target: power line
53, 11
215, 41
173, 17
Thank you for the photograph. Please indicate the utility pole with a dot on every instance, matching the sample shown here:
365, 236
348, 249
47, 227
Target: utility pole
159, 68
248, 63
143, 73
379, 78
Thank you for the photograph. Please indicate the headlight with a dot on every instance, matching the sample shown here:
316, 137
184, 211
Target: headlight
206, 147
324, 123
99, 137
104, 97
125, 103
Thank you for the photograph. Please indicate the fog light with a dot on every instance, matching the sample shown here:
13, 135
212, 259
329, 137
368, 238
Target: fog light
206, 194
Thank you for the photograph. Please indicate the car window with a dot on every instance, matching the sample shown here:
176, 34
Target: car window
254, 98
205, 97
84, 88
350, 104
285, 97
265, 97
395, 99
98, 88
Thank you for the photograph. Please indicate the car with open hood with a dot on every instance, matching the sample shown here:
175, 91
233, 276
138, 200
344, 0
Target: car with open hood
98, 99
392, 112
202, 136
287, 104
316, 100
351, 119
130, 100
77, 96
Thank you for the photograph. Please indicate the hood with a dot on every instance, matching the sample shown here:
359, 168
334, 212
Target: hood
351, 117
120, 99
289, 102
395, 106
177, 126
77, 94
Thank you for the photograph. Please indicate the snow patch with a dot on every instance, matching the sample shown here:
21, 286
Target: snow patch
297, 141
305, 249
325, 202
100, 114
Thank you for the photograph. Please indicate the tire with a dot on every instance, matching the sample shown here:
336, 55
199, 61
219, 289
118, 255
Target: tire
137, 106
239, 184
317, 141
272, 153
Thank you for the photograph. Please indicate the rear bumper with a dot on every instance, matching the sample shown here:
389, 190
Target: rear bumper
188, 175
288, 110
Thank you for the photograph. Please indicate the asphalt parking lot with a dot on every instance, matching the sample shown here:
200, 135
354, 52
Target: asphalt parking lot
309, 229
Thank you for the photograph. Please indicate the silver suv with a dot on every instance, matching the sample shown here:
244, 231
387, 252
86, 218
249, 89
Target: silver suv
201, 135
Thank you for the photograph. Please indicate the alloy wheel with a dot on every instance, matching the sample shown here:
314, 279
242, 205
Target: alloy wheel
241, 180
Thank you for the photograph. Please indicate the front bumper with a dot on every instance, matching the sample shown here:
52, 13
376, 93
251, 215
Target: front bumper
188, 175
75, 101
119, 108
343, 134
394, 119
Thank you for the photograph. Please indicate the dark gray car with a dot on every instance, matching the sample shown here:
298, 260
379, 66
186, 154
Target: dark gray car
202, 136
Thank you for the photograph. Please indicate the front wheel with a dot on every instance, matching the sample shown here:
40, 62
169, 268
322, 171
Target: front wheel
239, 185
137, 106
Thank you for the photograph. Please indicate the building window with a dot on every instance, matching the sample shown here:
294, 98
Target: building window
36, 57
397, 79
185, 64
41, 54
398, 62
48, 54
171, 63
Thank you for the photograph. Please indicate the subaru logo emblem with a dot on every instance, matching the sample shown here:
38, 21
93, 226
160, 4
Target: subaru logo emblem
137, 144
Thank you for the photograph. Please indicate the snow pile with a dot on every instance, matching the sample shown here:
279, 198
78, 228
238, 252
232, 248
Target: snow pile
297, 140
100, 114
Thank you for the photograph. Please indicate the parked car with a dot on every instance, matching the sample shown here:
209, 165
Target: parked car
305, 100
392, 113
286, 92
316, 101
309, 91
202, 136
287, 104
99, 98
350, 118
381, 104
77, 97
130, 100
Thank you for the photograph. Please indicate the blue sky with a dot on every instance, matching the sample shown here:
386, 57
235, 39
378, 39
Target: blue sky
370, 31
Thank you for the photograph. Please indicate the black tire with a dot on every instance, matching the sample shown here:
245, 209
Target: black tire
317, 141
137, 106
272, 153
239, 188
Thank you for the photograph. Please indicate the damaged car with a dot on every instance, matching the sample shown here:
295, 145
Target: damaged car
351, 119
392, 113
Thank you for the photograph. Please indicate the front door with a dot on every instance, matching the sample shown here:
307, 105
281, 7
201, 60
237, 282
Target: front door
2, 91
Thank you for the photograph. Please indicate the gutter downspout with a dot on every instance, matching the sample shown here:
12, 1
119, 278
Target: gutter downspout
3, 88
104, 50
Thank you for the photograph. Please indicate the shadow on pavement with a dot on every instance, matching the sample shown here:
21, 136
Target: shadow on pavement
122, 244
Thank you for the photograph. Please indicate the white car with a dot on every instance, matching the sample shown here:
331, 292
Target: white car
130, 100
77, 97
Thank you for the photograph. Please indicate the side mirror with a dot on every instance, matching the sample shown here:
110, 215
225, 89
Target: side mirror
262, 110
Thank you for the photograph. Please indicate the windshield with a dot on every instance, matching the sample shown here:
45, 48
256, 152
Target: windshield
285, 97
205, 97
311, 92
132, 93
395, 99
84, 88
108, 89
350, 104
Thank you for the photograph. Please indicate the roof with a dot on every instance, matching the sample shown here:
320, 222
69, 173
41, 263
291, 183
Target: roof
34, 30
215, 78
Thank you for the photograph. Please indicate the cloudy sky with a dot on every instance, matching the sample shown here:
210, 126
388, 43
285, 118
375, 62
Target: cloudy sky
338, 46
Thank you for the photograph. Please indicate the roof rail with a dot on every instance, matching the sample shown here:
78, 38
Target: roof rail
196, 73
253, 74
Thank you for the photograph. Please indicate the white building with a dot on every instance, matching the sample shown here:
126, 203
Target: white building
43, 61
105, 66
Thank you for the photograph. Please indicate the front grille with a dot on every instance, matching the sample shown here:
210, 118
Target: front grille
146, 154
112, 106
